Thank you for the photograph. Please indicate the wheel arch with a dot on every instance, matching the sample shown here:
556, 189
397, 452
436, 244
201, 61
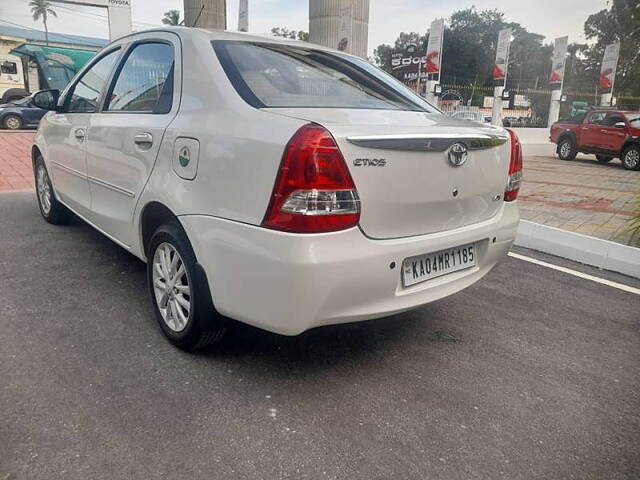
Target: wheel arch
630, 142
35, 152
564, 135
153, 215
567, 134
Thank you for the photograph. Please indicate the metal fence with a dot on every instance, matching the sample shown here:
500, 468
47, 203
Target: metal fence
525, 107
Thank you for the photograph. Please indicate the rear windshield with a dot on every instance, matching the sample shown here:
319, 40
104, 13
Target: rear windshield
280, 76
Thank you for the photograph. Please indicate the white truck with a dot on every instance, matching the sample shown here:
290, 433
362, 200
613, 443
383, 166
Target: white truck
12, 79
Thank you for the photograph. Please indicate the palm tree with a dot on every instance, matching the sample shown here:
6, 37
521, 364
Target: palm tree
42, 8
172, 17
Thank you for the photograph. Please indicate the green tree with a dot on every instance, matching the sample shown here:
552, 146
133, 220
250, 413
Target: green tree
293, 34
172, 17
42, 9
619, 23
469, 46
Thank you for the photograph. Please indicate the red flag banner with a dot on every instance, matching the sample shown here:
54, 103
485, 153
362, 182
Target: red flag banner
609, 65
502, 55
434, 47
558, 60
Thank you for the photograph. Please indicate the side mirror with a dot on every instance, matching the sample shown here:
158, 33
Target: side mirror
620, 125
46, 99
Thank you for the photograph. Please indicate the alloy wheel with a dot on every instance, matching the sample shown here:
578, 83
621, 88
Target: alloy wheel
12, 123
632, 158
44, 189
171, 287
565, 149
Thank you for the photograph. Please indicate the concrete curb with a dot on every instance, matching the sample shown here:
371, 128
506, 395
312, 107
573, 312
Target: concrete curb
581, 248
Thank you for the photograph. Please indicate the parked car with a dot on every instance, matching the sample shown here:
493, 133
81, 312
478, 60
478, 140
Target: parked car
277, 183
607, 134
19, 114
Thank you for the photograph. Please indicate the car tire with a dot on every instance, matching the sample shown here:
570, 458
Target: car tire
567, 149
631, 157
51, 209
604, 158
180, 292
12, 122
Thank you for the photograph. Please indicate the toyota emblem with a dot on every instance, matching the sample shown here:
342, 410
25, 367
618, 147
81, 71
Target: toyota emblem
458, 154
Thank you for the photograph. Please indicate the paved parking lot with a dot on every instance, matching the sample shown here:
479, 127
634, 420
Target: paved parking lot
15, 160
582, 196
529, 374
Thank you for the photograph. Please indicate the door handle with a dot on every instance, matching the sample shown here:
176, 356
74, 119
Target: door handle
79, 133
143, 139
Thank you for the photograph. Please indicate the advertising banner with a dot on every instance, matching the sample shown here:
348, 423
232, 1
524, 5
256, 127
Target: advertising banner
609, 65
405, 65
502, 55
344, 30
243, 16
558, 60
434, 47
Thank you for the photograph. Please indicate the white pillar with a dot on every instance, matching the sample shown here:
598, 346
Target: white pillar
213, 15
430, 96
496, 113
605, 100
324, 22
554, 107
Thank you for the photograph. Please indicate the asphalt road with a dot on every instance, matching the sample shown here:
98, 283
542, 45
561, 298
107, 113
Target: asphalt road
529, 374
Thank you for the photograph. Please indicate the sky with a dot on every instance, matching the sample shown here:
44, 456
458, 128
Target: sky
387, 18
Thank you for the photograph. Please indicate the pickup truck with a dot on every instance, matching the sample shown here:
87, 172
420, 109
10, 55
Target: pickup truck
608, 134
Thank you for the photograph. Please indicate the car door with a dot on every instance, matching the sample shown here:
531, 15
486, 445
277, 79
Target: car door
66, 132
612, 137
124, 138
32, 114
590, 136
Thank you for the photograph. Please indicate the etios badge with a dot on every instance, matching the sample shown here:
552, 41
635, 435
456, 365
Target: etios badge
184, 156
458, 154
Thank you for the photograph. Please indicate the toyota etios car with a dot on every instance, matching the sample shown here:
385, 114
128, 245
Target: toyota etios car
277, 183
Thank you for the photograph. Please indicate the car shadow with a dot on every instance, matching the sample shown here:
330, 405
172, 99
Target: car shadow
256, 351
615, 163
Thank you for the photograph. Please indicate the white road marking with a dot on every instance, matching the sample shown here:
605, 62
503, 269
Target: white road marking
575, 273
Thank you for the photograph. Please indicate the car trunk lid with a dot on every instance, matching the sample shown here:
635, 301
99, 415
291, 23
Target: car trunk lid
406, 178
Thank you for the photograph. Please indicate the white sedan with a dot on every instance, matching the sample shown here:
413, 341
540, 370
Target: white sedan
277, 183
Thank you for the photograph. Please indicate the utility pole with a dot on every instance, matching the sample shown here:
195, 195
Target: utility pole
205, 14
324, 24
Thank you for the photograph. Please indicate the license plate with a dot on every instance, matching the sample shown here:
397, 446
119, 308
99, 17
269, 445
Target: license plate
431, 265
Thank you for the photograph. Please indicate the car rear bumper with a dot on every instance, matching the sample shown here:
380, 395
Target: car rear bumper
289, 283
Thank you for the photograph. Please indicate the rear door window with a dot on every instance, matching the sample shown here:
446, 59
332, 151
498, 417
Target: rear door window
611, 119
145, 81
274, 75
596, 118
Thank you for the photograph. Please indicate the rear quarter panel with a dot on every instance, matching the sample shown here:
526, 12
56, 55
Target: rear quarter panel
240, 147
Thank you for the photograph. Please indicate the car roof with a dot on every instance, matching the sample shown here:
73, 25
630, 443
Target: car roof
213, 34
611, 110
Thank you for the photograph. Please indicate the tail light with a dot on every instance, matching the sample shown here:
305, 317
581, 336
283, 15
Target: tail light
515, 168
314, 191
